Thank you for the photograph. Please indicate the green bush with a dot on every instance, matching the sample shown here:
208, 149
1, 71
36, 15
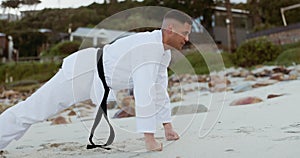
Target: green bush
289, 57
255, 51
36, 71
200, 65
28, 42
290, 46
63, 49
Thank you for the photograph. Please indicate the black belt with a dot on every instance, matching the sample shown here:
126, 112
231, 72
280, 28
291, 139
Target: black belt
102, 109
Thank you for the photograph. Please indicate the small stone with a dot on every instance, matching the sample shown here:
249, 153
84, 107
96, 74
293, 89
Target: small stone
270, 96
111, 104
277, 76
128, 101
125, 112
189, 109
9, 94
264, 83
176, 97
72, 113
59, 120
281, 70
246, 100
218, 83
55, 145
264, 73
229, 150
203, 78
242, 87
250, 78
292, 77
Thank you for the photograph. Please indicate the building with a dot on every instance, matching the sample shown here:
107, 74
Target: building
93, 37
280, 35
242, 23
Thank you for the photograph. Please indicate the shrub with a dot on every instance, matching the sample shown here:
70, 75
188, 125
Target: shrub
36, 71
63, 49
254, 52
290, 46
289, 57
200, 65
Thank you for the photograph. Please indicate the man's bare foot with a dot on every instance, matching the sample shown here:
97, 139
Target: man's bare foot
169, 132
151, 143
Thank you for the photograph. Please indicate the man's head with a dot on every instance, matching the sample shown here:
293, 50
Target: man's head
176, 29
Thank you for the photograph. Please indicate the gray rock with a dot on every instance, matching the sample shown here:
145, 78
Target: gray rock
188, 109
242, 87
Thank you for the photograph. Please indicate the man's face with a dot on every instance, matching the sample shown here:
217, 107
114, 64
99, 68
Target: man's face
180, 35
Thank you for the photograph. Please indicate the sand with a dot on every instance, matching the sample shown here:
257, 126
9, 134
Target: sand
270, 128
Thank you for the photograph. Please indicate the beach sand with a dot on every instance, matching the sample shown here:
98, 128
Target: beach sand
270, 128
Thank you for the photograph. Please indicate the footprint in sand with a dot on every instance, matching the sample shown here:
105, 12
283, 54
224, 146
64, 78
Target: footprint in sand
293, 128
291, 138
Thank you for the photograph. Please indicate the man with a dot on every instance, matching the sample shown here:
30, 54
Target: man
139, 61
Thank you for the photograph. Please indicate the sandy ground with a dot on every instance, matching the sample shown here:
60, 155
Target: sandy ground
267, 129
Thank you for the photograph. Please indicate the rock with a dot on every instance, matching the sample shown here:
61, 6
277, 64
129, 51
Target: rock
188, 109
281, 70
218, 83
125, 112
239, 73
9, 94
292, 77
295, 73
111, 104
175, 97
250, 78
277, 76
3, 107
242, 87
246, 100
59, 120
270, 96
128, 101
264, 83
244, 73
72, 113
264, 73
203, 78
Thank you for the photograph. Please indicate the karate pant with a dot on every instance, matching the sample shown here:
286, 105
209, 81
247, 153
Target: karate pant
54, 96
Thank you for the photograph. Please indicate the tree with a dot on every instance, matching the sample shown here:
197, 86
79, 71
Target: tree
113, 1
14, 4
270, 11
254, 11
232, 34
31, 3
194, 8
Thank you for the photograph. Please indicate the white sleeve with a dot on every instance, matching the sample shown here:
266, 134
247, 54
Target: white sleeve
144, 79
162, 97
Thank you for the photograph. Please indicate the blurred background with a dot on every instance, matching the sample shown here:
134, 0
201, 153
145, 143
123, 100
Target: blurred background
36, 34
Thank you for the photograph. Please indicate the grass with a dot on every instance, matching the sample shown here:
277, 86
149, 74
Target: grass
36, 71
291, 46
203, 63
289, 57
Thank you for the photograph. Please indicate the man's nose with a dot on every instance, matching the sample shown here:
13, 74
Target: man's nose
186, 38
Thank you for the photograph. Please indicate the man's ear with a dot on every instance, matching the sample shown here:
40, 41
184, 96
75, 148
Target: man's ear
170, 28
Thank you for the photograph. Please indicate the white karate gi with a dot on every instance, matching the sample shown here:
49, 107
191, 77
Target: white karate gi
138, 61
